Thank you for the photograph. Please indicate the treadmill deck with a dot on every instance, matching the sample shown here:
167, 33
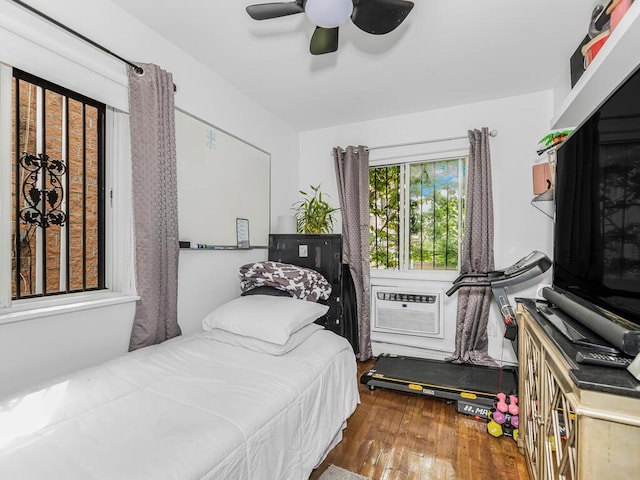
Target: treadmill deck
460, 382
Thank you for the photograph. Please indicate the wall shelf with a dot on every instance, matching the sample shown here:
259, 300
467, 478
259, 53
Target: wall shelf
544, 197
545, 202
617, 59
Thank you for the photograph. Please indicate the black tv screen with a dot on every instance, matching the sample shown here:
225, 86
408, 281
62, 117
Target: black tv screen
597, 222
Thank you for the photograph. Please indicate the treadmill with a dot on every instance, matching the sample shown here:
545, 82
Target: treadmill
472, 387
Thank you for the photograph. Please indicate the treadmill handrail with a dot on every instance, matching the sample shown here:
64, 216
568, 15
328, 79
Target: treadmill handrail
468, 275
458, 285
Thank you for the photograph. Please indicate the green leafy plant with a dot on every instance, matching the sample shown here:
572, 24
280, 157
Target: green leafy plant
555, 137
313, 213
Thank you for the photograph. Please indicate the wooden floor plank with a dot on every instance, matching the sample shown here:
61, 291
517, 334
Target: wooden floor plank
398, 436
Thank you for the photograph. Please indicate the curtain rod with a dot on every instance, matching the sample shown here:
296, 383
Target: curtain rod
493, 133
138, 69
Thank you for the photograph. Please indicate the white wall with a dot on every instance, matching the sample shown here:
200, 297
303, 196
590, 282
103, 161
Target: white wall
47, 346
206, 279
519, 227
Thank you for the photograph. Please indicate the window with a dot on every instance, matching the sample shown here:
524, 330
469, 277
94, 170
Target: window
57, 190
416, 212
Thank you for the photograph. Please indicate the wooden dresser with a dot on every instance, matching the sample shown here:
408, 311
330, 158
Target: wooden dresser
577, 421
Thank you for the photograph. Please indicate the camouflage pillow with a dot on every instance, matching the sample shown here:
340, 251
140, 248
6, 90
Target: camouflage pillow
299, 282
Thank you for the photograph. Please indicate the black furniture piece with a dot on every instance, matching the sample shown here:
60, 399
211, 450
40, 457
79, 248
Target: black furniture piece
323, 253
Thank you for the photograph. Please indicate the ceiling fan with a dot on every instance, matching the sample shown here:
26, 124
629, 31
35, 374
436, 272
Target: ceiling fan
372, 16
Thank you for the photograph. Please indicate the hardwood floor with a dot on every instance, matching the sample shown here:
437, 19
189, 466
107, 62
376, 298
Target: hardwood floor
398, 436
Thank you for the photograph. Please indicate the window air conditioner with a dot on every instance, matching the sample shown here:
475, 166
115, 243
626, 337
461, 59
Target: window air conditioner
407, 313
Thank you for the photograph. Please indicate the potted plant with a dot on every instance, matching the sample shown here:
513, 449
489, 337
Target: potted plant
554, 138
313, 213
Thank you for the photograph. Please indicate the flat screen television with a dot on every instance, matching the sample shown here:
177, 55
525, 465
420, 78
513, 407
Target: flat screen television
596, 258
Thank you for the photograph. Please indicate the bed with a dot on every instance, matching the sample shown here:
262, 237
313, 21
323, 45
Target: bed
215, 405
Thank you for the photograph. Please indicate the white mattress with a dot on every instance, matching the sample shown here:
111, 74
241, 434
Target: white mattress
191, 408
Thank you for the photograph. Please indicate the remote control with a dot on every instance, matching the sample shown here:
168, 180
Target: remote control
603, 359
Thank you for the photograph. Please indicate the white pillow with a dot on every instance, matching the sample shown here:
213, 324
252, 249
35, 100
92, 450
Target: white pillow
258, 345
271, 319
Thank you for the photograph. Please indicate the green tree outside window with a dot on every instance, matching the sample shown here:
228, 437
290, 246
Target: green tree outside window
426, 201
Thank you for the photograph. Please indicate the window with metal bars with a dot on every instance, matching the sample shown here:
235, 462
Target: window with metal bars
57, 192
416, 214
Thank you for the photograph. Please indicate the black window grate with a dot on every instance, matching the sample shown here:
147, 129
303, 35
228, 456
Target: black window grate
58, 190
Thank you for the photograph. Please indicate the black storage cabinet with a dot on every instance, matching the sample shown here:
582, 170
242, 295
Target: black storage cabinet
324, 255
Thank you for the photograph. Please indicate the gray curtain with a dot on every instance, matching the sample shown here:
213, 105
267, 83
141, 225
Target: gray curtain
352, 176
477, 255
155, 205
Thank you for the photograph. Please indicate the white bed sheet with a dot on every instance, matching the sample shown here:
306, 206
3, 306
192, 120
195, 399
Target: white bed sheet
190, 408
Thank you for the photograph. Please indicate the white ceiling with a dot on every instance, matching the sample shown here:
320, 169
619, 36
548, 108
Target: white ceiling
446, 53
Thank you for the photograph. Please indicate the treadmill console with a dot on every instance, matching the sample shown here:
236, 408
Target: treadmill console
534, 259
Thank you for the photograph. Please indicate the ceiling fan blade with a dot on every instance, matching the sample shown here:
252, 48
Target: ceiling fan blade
265, 11
380, 16
324, 40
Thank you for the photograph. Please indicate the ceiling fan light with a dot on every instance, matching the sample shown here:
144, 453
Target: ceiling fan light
328, 13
